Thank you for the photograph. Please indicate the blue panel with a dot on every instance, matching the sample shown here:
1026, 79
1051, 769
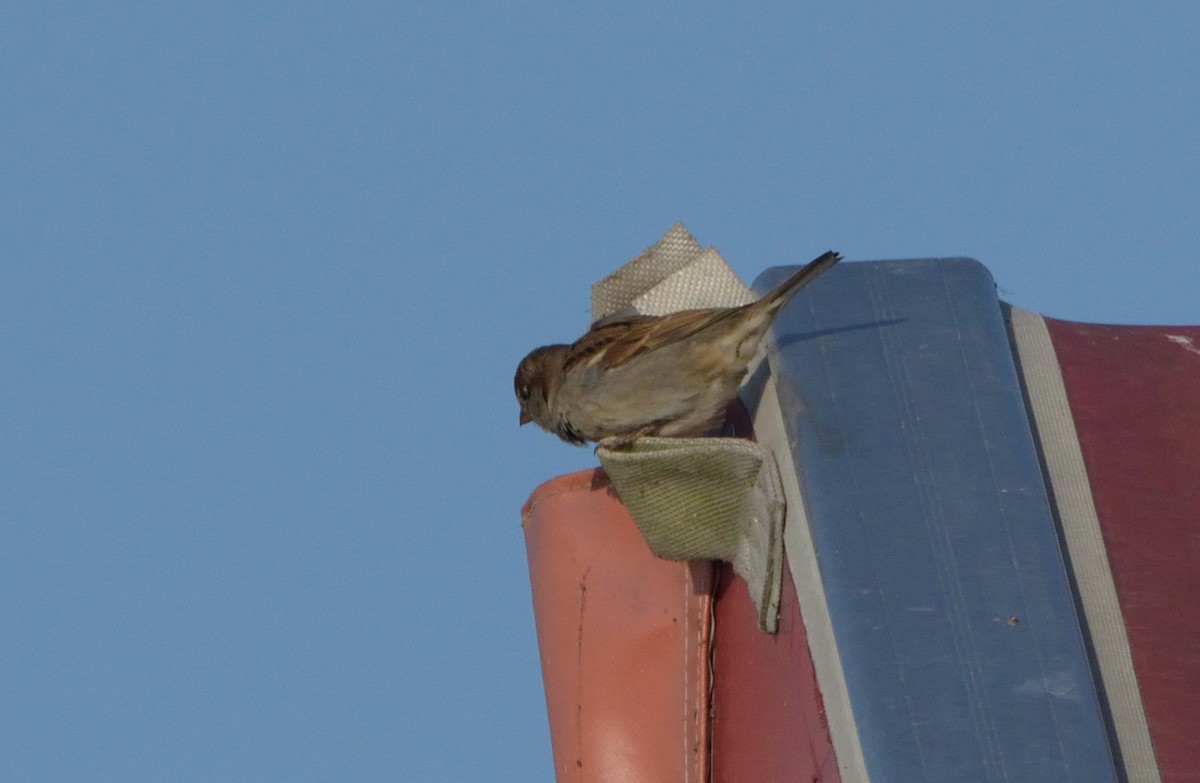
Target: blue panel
937, 549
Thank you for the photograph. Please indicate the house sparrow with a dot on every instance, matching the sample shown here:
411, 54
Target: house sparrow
671, 375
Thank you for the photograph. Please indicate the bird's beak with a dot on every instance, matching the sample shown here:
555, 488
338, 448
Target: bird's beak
525, 417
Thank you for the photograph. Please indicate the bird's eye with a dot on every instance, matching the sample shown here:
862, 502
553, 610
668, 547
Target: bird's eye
523, 392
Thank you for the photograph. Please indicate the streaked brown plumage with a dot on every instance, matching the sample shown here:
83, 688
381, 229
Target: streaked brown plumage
671, 375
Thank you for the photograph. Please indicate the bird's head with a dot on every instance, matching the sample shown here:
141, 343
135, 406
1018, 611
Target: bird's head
538, 377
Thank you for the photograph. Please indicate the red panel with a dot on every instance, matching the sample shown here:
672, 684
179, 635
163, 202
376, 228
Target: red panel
624, 639
768, 719
1135, 397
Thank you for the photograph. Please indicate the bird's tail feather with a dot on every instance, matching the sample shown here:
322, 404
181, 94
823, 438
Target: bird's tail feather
778, 296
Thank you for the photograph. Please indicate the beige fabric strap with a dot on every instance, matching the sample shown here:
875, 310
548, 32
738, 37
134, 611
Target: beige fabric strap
1085, 544
712, 498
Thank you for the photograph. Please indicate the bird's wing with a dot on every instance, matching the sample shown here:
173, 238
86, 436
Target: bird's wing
610, 344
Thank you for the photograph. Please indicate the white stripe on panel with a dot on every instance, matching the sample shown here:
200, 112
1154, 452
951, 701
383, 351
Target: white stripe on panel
1081, 528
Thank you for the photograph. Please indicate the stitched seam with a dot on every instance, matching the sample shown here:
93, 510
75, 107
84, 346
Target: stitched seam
687, 665
542, 498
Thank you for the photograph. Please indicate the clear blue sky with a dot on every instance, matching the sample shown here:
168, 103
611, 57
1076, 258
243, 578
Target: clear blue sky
267, 271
